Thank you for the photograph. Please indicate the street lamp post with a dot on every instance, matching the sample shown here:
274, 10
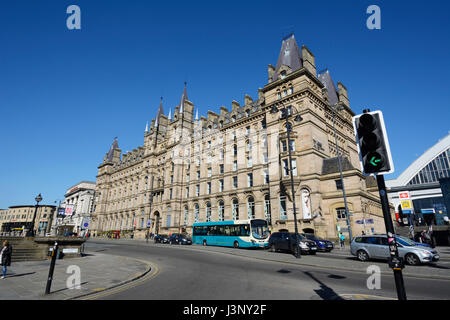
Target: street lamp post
38, 199
338, 107
286, 111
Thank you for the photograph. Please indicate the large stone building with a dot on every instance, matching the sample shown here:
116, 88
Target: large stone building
234, 164
80, 199
17, 219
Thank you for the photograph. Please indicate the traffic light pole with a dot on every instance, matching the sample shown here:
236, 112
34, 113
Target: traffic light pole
395, 262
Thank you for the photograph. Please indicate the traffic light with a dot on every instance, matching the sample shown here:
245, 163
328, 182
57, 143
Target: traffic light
373, 145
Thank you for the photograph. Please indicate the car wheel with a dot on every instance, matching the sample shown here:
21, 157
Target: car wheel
236, 244
412, 259
204, 242
362, 255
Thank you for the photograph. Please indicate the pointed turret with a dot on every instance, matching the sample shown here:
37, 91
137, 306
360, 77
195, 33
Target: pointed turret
114, 152
160, 112
290, 56
327, 81
184, 97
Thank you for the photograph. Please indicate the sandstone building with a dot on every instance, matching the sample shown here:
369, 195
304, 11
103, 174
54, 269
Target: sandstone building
234, 164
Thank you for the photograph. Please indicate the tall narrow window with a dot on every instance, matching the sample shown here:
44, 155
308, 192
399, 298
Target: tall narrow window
267, 213
250, 179
251, 208
196, 213
186, 216
208, 211
221, 210
283, 211
235, 209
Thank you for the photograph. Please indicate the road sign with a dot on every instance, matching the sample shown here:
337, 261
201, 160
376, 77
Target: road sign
373, 145
404, 195
406, 204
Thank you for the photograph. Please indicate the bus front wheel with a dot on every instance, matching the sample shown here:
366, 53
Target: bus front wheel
236, 244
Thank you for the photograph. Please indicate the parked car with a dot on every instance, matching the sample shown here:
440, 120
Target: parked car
376, 247
322, 244
161, 238
286, 241
179, 238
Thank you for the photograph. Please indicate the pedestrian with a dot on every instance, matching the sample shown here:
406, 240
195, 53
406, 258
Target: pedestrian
363, 233
5, 257
341, 240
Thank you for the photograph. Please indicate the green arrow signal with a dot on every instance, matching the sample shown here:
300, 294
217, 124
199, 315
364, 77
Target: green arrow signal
374, 161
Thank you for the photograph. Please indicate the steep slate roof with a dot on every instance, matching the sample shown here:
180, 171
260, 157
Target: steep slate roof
115, 145
290, 56
328, 82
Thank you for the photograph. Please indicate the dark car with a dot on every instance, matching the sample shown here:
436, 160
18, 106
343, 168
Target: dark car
179, 238
161, 238
286, 241
322, 244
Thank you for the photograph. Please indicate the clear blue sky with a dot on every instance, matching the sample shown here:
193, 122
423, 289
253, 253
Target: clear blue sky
65, 95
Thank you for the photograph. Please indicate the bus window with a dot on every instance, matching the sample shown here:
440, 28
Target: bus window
245, 230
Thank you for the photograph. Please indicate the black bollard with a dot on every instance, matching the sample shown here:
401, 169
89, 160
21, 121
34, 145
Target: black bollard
52, 268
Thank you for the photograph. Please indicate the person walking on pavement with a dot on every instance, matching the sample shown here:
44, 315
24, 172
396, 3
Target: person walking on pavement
5, 257
341, 240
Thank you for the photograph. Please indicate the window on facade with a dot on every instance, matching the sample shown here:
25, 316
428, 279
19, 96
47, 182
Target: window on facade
235, 152
198, 175
209, 187
197, 190
208, 211
284, 146
170, 193
221, 168
251, 208
285, 167
266, 176
338, 184
234, 165
196, 213
187, 192
235, 209
294, 167
250, 179
249, 146
235, 182
340, 213
283, 211
249, 162
221, 185
267, 213
186, 216
221, 210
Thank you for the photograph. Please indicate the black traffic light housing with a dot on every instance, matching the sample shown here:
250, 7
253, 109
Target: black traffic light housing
373, 145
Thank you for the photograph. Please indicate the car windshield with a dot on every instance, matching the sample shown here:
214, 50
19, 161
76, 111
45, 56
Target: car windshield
260, 229
313, 237
405, 241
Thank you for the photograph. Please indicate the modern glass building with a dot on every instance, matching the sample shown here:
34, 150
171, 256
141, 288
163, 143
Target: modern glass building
416, 193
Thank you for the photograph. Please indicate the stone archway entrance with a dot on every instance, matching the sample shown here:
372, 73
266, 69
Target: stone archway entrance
308, 230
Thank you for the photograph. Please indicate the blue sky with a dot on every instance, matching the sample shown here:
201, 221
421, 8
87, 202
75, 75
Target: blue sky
63, 92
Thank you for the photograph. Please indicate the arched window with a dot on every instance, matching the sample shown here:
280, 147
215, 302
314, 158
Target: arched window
220, 211
251, 208
208, 211
196, 213
267, 213
235, 209
186, 216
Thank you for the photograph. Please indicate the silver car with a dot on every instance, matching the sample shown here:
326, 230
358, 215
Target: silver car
376, 247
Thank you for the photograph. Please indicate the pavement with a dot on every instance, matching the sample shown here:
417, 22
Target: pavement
97, 273
101, 273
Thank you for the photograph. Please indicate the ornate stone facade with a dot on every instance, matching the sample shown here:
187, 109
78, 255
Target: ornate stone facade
234, 164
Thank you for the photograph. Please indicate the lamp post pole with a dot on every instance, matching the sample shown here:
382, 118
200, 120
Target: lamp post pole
31, 231
297, 251
336, 106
